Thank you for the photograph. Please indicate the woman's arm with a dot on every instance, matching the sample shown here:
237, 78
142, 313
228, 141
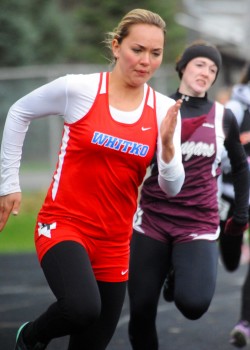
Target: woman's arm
239, 165
171, 171
46, 100
49, 99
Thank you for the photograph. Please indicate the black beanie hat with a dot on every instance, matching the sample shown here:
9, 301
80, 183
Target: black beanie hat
198, 50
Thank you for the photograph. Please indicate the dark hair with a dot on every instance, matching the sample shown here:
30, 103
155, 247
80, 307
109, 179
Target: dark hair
198, 48
245, 78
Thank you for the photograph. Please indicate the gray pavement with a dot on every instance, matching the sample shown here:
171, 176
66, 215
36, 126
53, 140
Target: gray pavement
24, 294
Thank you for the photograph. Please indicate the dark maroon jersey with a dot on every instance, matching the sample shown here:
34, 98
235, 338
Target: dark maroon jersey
193, 213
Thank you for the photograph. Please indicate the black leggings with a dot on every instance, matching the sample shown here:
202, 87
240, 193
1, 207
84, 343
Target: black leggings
245, 292
195, 266
85, 309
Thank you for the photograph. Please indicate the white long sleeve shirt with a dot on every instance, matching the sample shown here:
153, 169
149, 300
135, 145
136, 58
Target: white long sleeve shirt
71, 97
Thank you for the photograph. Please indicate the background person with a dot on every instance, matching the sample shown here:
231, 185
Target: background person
113, 123
223, 95
231, 245
178, 235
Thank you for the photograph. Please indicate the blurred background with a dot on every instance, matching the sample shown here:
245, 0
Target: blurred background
43, 39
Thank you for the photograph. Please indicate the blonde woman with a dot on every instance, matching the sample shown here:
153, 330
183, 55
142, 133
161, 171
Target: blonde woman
113, 123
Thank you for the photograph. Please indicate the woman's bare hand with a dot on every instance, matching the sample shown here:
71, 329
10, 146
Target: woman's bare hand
245, 137
9, 204
167, 131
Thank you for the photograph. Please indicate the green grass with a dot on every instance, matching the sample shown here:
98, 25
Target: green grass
18, 234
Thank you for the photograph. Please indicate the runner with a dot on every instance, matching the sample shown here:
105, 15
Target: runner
113, 123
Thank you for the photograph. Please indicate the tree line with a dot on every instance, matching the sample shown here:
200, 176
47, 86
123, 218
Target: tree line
72, 31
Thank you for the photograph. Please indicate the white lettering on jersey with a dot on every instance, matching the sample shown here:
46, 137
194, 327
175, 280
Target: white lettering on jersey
121, 145
191, 148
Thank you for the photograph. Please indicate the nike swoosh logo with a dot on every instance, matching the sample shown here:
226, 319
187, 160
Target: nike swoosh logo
145, 129
124, 272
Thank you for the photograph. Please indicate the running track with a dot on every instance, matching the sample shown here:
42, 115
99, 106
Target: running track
24, 294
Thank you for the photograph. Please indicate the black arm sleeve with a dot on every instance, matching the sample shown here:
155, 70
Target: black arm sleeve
240, 172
